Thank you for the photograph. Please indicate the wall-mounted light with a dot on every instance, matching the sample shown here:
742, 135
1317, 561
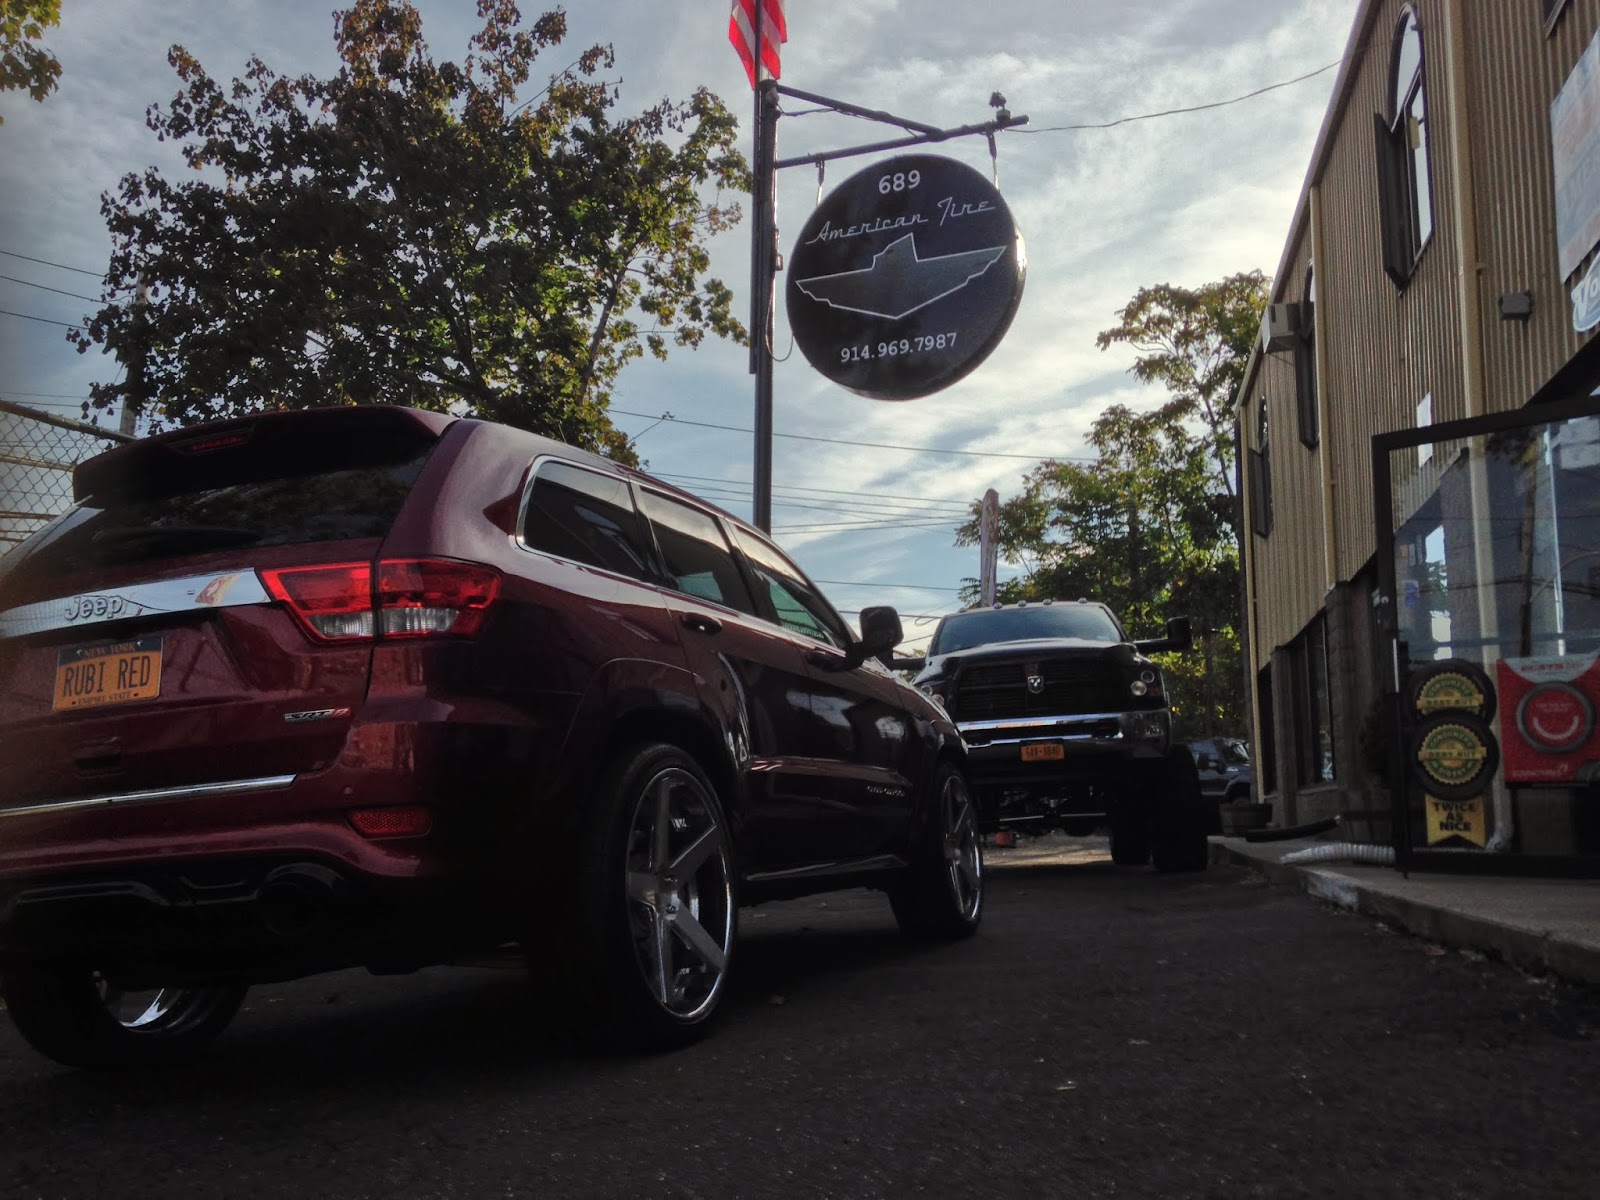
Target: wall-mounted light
1516, 306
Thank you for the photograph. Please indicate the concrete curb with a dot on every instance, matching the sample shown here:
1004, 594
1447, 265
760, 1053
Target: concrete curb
1452, 911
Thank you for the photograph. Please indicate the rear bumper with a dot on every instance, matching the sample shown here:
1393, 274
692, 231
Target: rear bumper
266, 877
250, 918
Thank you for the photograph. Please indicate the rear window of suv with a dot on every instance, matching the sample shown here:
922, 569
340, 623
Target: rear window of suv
334, 493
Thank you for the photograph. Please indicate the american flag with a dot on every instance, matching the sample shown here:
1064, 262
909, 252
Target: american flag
774, 32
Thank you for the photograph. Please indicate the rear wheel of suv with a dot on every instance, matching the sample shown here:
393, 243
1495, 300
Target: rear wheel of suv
941, 893
660, 912
81, 1018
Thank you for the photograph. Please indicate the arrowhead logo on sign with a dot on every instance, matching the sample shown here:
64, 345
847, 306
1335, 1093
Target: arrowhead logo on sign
898, 282
906, 277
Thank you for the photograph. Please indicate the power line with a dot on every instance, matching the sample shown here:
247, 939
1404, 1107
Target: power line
45, 288
795, 487
863, 526
918, 587
1194, 108
845, 442
45, 262
45, 320
827, 505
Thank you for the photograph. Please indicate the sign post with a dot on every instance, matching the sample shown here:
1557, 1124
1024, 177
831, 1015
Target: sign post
764, 253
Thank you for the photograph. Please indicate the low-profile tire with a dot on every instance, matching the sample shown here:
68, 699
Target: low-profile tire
940, 895
1178, 840
76, 1016
658, 898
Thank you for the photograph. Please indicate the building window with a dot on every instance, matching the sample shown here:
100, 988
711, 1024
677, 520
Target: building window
1267, 751
1406, 199
1552, 13
1313, 706
1305, 364
1261, 476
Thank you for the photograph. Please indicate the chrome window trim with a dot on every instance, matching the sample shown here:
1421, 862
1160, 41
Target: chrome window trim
232, 787
88, 610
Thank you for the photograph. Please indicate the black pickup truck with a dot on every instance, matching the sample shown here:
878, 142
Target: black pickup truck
1068, 726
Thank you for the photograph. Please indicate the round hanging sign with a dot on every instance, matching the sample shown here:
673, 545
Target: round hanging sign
906, 277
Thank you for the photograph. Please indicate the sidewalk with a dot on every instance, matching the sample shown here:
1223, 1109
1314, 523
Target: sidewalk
1537, 924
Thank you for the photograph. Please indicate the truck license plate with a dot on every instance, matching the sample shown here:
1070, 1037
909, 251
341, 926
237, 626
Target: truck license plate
1043, 752
119, 673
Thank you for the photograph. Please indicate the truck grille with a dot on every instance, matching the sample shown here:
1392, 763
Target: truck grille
995, 691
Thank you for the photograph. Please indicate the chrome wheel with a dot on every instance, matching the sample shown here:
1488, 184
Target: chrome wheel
963, 849
680, 893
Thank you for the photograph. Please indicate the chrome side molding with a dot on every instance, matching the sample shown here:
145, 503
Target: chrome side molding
231, 787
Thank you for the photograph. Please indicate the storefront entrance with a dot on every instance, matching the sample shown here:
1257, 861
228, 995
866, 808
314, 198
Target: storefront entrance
1488, 611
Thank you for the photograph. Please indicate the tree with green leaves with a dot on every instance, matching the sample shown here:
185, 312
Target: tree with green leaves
25, 66
450, 236
1149, 526
1196, 342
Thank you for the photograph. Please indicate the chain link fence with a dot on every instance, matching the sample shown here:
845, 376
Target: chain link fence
37, 453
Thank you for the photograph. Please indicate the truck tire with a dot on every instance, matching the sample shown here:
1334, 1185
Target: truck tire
1178, 841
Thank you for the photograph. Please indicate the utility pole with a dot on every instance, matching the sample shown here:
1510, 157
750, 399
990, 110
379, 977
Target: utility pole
133, 392
764, 231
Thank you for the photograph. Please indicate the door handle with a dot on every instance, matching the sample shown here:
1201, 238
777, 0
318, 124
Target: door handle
701, 623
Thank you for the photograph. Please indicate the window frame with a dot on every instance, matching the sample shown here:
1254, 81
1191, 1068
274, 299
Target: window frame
1305, 363
830, 620
1312, 710
668, 582
1260, 467
1401, 199
654, 567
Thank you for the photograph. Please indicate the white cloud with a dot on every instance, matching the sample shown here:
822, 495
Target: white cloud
1185, 199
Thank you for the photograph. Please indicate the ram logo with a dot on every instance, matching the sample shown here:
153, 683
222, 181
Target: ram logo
1035, 684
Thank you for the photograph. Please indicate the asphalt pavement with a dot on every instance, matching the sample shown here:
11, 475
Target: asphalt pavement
1109, 1032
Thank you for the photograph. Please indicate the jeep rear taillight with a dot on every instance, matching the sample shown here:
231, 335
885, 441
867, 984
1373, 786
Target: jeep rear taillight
411, 597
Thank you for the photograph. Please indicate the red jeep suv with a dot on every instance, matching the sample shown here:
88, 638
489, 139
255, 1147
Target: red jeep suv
379, 687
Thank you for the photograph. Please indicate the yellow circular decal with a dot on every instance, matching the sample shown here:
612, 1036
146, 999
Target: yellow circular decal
1450, 691
1452, 754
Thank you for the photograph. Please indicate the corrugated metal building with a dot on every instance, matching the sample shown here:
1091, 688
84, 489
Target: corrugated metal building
1423, 281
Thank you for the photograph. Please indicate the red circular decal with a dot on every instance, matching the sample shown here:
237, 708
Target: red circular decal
1555, 718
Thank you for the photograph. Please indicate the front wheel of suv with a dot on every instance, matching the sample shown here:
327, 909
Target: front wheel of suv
941, 894
660, 911
82, 1018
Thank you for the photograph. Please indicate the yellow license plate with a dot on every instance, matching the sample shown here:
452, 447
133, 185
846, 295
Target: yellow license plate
91, 676
1043, 752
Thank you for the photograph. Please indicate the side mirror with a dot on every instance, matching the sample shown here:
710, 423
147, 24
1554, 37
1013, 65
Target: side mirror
1204, 762
880, 634
1180, 636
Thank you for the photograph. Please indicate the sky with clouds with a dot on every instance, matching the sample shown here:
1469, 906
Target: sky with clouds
1184, 199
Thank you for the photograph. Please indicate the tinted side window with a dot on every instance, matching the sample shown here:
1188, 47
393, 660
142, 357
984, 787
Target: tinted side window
795, 600
587, 517
696, 552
